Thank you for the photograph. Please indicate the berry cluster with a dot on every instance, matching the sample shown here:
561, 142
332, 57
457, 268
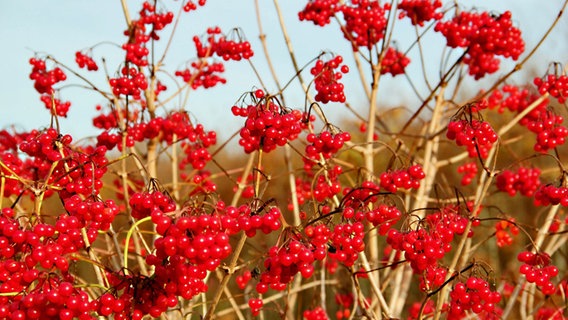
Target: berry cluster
319, 187
538, 269
478, 136
35, 266
427, 311
420, 11
319, 11
223, 47
323, 145
347, 241
420, 247
317, 313
514, 99
130, 83
406, 179
469, 171
365, 22
255, 305
484, 36
424, 247
44, 79
361, 196
190, 5
549, 131
526, 181
243, 279
394, 62
267, 126
502, 235
383, 217
326, 80
557, 86
251, 221
433, 277
544, 123
156, 21
233, 50
551, 195
475, 295
56, 106
283, 263
204, 74
84, 60
144, 203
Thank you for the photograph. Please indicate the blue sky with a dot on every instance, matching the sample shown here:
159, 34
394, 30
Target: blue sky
64, 26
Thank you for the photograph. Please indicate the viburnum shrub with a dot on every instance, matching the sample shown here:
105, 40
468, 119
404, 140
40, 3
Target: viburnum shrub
454, 210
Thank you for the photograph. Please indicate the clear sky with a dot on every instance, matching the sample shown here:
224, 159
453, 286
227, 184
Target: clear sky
64, 26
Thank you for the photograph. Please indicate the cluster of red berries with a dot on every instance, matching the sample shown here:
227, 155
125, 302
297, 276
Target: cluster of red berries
549, 130
326, 80
347, 241
96, 215
432, 278
243, 279
474, 295
365, 22
323, 145
50, 298
233, 50
70, 171
319, 187
394, 62
524, 180
514, 99
416, 311
484, 36
557, 86
138, 36
406, 179
156, 21
190, 5
174, 128
319, 11
421, 248
250, 221
420, 11
45, 145
384, 217
538, 269
283, 263
478, 136
204, 74
219, 45
361, 196
84, 60
345, 302
318, 313
202, 182
425, 246
130, 83
45, 79
551, 195
469, 171
255, 305
33, 262
56, 106
544, 123
129, 301
143, 204
267, 126
504, 232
